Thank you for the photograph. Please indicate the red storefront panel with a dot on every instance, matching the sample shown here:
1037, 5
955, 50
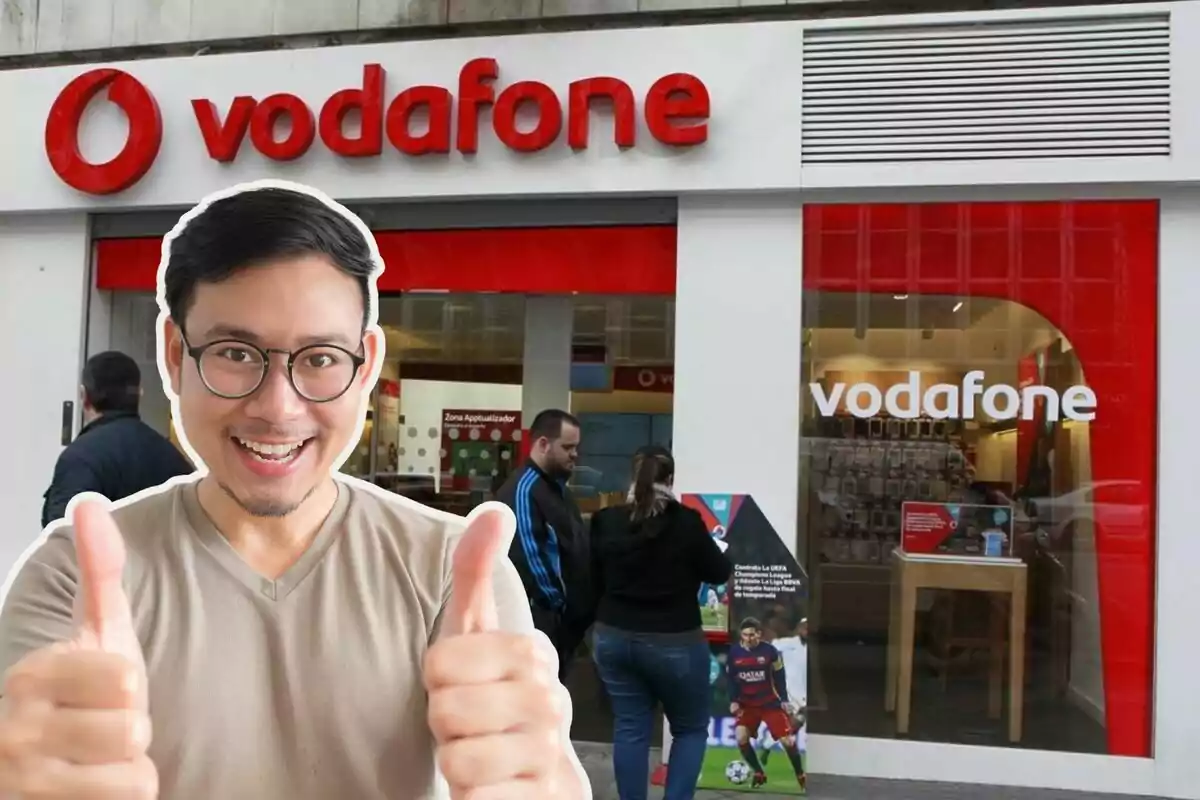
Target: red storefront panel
579, 260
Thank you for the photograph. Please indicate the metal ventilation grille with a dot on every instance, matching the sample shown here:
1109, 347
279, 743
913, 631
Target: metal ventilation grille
1040, 89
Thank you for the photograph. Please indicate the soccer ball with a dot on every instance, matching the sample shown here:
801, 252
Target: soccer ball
737, 772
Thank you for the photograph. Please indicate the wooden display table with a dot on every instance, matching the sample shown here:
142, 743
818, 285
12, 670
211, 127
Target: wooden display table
911, 573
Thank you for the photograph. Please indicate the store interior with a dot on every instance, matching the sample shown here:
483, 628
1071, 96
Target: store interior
466, 353
855, 473
446, 421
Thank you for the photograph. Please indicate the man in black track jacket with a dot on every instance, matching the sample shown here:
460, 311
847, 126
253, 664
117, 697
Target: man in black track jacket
550, 549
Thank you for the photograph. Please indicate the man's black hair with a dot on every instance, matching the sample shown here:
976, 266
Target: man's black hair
750, 622
549, 423
112, 382
257, 226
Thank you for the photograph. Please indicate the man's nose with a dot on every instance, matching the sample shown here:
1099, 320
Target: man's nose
276, 399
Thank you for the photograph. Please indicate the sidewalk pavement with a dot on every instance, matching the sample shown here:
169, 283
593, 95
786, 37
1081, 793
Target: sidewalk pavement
597, 760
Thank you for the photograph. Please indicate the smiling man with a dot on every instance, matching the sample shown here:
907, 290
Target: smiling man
273, 629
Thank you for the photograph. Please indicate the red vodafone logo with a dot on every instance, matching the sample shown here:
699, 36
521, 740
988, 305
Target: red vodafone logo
644, 379
141, 146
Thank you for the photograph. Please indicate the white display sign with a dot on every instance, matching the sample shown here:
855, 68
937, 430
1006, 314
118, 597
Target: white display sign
1000, 401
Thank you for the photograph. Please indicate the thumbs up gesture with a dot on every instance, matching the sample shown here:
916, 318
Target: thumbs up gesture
75, 721
496, 707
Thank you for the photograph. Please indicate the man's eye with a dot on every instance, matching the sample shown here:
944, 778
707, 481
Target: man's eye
238, 355
320, 360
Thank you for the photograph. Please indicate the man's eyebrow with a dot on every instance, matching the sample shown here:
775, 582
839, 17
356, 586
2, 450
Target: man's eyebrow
221, 331
339, 339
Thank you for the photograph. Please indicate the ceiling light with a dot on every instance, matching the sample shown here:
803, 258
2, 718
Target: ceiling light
957, 306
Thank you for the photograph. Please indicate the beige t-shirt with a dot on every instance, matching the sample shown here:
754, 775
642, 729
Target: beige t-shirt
307, 687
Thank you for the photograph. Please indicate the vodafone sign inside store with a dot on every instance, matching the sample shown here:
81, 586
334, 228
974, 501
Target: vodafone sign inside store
648, 111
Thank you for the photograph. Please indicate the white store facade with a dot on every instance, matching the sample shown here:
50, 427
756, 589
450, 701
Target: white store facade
735, 212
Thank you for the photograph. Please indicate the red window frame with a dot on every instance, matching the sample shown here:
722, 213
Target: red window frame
635, 259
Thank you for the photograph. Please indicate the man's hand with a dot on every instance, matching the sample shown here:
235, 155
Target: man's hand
734, 709
495, 703
75, 723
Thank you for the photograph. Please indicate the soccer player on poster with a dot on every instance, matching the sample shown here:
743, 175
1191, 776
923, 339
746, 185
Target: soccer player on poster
793, 648
758, 695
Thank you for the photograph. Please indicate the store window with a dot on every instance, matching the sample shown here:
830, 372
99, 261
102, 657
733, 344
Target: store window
484, 328
445, 418
622, 383
977, 477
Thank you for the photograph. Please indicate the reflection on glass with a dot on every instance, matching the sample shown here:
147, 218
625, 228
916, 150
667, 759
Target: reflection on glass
622, 389
446, 421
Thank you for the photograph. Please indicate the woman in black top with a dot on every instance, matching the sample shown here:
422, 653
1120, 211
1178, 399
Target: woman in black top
649, 558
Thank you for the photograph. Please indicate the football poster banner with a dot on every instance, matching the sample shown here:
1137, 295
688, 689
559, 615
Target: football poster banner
716, 511
757, 739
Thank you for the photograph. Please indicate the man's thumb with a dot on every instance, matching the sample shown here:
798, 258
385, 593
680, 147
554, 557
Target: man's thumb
102, 613
472, 605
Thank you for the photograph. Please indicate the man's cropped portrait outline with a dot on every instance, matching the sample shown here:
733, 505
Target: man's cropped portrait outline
270, 627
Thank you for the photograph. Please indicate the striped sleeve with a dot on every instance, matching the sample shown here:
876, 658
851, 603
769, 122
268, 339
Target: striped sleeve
527, 525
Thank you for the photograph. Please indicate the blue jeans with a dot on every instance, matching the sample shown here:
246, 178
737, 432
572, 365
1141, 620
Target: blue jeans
640, 670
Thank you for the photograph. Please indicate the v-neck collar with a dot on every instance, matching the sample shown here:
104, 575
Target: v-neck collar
229, 558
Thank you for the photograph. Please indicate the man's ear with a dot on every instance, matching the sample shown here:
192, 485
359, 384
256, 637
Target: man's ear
374, 351
171, 340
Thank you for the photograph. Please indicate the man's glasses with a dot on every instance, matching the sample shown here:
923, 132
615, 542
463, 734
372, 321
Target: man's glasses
233, 369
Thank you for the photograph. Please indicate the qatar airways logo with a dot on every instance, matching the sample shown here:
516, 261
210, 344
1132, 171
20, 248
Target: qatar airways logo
1000, 401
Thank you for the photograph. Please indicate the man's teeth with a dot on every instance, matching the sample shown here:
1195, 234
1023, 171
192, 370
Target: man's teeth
275, 452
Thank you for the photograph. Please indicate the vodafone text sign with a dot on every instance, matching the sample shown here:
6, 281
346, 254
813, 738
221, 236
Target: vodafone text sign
999, 401
419, 120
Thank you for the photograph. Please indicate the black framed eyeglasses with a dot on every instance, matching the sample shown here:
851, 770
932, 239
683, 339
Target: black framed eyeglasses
233, 369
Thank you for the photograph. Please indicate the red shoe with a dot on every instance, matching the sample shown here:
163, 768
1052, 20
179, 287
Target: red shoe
759, 779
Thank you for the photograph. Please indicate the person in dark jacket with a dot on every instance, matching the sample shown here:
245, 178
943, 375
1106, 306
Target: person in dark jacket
116, 454
550, 549
649, 558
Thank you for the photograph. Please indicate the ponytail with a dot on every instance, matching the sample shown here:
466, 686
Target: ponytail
653, 469
645, 494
